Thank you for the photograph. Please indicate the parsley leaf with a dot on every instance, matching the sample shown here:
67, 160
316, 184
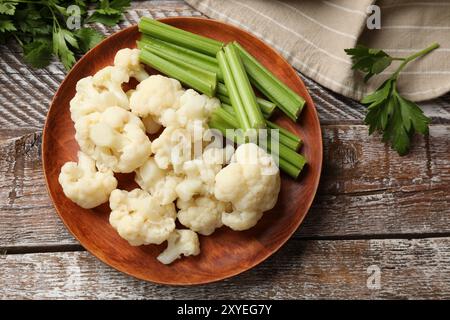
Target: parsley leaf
88, 38
397, 118
369, 61
70, 38
38, 53
8, 7
39, 26
107, 20
6, 25
61, 49
110, 12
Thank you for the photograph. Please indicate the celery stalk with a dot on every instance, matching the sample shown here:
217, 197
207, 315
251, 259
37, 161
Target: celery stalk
183, 54
178, 72
278, 92
235, 99
198, 71
291, 140
245, 90
267, 107
290, 162
180, 37
287, 138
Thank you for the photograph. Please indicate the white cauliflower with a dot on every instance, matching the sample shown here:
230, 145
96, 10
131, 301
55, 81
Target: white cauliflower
158, 182
129, 93
241, 220
84, 184
200, 173
180, 242
115, 138
139, 218
191, 106
202, 214
151, 126
251, 182
129, 60
155, 95
103, 90
174, 146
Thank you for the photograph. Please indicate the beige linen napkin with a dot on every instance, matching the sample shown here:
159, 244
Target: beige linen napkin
313, 34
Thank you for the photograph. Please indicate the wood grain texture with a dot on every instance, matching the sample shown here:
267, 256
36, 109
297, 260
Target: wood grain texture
359, 195
407, 199
417, 268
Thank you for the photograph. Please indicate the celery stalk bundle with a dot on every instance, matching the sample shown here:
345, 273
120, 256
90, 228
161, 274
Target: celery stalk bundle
227, 72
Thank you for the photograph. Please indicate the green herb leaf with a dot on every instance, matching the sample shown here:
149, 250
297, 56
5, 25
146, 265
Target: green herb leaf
70, 38
8, 7
38, 53
369, 61
35, 23
110, 12
120, 5
107, 20
397, 118
61, 50
88, 38
30, 21
6, 25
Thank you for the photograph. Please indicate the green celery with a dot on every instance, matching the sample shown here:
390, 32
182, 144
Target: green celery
178, 36
266, 82
244, 87
287, 138
178, 72
289, 161
235, 99
209, 76
267, 107
177, 52
295, 141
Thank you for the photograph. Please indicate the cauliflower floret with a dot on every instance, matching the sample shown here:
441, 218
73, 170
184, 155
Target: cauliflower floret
202, 214
151, 126
129, 93
155, 95
103, 90
115, 138
180, 242
251, 182
241, 220
200, 173
191, 106
139, 218
158, 182
84, 185
129, 59
176, 145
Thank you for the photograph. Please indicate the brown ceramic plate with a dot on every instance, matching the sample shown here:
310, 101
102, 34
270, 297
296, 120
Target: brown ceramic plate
223, 254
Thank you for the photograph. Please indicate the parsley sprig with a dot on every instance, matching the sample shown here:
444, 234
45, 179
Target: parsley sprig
396, 117
40, 27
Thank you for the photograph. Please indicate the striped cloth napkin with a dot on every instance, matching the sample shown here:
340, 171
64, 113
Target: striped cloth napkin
313, 34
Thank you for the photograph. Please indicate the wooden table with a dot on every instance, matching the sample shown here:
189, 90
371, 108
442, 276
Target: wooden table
375, 211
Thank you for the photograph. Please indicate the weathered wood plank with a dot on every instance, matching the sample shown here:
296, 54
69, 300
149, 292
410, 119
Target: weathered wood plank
418, 268
366, 189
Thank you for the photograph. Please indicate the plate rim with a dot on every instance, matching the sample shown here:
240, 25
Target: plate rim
255, 262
